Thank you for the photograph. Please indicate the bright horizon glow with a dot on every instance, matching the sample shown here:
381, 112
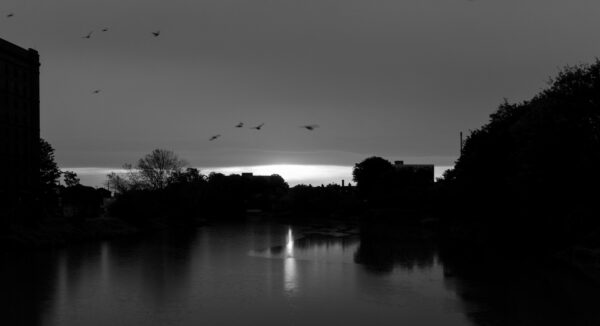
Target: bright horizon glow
294, 174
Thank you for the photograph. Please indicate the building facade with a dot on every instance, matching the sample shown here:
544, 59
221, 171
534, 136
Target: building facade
19, 127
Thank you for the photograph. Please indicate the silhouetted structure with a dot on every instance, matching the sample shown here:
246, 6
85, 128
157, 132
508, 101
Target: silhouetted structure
19, 128
507, 182
422, 173
82, 202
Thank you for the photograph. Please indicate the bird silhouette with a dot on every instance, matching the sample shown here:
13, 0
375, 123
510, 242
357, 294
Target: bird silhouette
97, 91
214, 137
105, 29
239, 125
156, 34
310, 127
259, 126
10, 15
88, 36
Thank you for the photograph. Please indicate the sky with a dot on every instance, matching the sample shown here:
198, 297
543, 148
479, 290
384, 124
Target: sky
397, 79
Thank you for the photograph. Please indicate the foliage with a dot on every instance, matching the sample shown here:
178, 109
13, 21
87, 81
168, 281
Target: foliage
384, 185
372, 176
49, 171
70, 178
533, 167
157, 167
325, 201
189, 195
80, 201
154, 171
189, 176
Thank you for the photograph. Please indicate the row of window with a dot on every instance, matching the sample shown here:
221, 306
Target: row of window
19, 148
19, 124
19, 80
18, 112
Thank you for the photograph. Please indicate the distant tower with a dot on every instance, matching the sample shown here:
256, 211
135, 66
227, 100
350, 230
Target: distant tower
343, 183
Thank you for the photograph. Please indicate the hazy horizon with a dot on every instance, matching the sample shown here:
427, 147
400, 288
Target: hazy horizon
294, 174
398, 80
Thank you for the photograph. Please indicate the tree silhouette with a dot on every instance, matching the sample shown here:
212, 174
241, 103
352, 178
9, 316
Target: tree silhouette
157, 167
372, 177
70, 178
532, 169
49, 171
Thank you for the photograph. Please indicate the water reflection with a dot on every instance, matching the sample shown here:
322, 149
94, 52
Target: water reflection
492, 289
289, 265
289, 245
382, 256
519, 292
313, 278
27, 286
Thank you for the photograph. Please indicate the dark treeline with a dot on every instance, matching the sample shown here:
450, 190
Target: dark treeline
158, 189
525, 184
60, 213
530, 175
527, 178
396, 190
189, 196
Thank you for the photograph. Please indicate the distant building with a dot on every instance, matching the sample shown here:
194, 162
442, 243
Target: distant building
19, 127
421, 173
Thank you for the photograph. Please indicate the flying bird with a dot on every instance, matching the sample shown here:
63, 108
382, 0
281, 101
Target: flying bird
156, 34
105, 29
10, 15
259, 126
88, 36
97, 91
239, 125
214, 137
310, 127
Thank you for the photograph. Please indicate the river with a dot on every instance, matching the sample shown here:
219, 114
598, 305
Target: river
275, 274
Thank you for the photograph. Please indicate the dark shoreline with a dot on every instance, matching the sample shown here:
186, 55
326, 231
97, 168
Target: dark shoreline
59, 233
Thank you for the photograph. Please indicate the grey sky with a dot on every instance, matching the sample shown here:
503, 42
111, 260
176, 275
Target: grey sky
397, 79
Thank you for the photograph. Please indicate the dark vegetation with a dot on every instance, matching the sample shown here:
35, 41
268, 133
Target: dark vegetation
530, 176
65, 213
526, 179
525, 188
162, 191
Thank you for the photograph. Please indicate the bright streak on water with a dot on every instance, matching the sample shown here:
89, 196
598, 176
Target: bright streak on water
290, 282
289, 245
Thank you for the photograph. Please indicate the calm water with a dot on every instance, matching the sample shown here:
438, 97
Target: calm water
278, 275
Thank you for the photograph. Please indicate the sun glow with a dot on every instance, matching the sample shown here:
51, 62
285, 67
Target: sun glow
295, 173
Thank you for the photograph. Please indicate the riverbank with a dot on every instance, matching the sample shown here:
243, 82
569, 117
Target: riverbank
478, 240
60, 232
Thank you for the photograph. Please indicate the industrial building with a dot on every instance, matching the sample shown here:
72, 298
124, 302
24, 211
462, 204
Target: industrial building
19, 128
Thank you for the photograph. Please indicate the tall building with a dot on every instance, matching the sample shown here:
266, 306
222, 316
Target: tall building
19, 128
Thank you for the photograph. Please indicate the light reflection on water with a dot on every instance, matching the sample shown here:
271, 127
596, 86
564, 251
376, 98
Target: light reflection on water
273, 275
289, 265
